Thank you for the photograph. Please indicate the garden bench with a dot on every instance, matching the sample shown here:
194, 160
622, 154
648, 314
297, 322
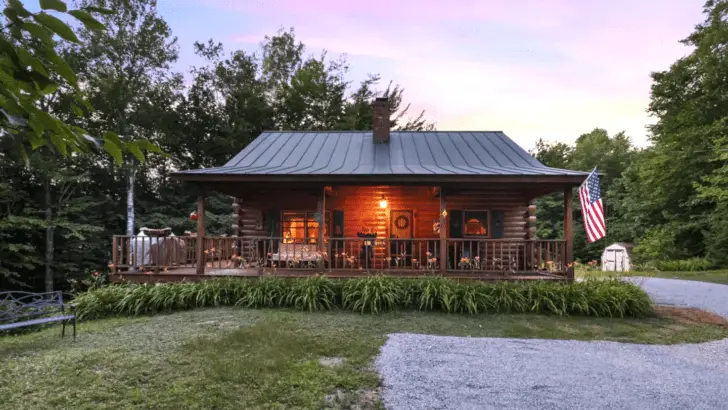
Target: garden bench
21, 309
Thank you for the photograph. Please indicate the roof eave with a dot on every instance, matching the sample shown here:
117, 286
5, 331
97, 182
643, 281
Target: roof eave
567, 179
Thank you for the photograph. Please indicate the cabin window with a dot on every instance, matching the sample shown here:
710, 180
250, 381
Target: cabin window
475, 223
301, 227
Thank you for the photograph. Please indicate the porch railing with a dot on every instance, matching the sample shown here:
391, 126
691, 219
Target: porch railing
152, 254
507, 256
334, 253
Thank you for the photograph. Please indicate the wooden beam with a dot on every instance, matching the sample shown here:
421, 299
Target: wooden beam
201, 234
322, 222
568, 232
443, 234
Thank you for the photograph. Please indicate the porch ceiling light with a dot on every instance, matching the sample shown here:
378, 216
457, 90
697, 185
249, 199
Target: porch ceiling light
383, 202
444, 213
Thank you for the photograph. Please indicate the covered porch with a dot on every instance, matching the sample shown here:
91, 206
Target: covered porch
399, 228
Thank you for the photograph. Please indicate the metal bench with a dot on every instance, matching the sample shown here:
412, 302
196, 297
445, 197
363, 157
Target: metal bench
21, 309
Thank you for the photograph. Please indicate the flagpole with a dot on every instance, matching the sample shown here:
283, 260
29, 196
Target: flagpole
587, 177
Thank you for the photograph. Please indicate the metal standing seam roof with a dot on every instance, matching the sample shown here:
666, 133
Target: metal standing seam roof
407, 153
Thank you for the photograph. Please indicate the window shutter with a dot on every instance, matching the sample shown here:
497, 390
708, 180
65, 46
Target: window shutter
338, 225
497, 220
456, 223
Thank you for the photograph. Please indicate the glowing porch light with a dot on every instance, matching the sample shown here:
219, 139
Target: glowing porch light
383, 202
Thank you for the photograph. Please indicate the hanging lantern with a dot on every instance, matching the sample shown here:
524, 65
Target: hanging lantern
383, 202
193, 216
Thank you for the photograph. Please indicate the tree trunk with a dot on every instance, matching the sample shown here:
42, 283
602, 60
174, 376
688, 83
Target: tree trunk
130, 200
50, 229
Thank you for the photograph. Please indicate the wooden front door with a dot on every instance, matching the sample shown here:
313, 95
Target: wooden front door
401, 224
401, 230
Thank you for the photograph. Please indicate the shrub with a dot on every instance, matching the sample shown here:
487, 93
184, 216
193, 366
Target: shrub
372, 294
684, 265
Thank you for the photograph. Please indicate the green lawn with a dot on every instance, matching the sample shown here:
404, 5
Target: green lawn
237, 358
713, 276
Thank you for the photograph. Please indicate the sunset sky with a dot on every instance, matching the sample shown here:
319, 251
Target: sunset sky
551, 69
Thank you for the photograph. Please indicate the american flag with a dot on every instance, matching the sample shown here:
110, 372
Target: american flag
592, 210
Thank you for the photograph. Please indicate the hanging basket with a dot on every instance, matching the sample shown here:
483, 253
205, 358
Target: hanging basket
193, 216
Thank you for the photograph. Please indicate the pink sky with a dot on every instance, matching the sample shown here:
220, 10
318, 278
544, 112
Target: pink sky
534, 69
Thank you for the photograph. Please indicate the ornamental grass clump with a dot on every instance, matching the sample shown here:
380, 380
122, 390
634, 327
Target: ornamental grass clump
373, 294
430, 292
268, 292
313, 293
614, 298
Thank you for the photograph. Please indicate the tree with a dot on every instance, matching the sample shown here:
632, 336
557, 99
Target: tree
611, 156
122, 65
675, 189
32, 69
61, 212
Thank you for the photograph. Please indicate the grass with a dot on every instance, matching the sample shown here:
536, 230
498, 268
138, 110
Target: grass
230, 358
712, 276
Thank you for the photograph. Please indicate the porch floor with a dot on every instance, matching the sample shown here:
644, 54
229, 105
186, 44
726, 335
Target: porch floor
189, 274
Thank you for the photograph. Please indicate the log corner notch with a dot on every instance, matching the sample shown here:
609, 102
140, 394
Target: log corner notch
568, 232
531, 215
236, 226
201, 234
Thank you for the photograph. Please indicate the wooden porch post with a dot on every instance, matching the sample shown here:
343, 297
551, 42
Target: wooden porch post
443, 234
201, 234
568, 232
322, 225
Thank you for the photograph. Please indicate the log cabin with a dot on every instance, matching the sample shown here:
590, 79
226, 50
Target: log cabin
347, 203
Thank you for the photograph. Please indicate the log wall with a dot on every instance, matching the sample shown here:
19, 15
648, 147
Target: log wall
362, 213
512, 202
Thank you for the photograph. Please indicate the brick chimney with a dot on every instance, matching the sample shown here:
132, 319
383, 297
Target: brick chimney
380, 120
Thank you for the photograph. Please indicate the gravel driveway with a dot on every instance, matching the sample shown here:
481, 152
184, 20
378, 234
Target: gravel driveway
711, 297
439, 372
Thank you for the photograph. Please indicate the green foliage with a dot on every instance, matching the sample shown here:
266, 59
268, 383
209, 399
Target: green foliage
137, 96
103, 302
611, 155
266, 293
717, 236
684, 265
657, 243
313, 293
33, 70
372, 294
431, 292
678, 183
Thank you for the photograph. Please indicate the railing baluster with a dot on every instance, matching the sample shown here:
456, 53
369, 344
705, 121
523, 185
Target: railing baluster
394, 254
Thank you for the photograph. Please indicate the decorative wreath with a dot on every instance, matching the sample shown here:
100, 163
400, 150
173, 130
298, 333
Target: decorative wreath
402, 222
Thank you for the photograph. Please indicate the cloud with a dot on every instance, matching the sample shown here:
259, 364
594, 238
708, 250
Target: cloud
533, 69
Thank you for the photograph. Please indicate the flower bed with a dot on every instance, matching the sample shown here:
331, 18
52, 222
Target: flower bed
371, 294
